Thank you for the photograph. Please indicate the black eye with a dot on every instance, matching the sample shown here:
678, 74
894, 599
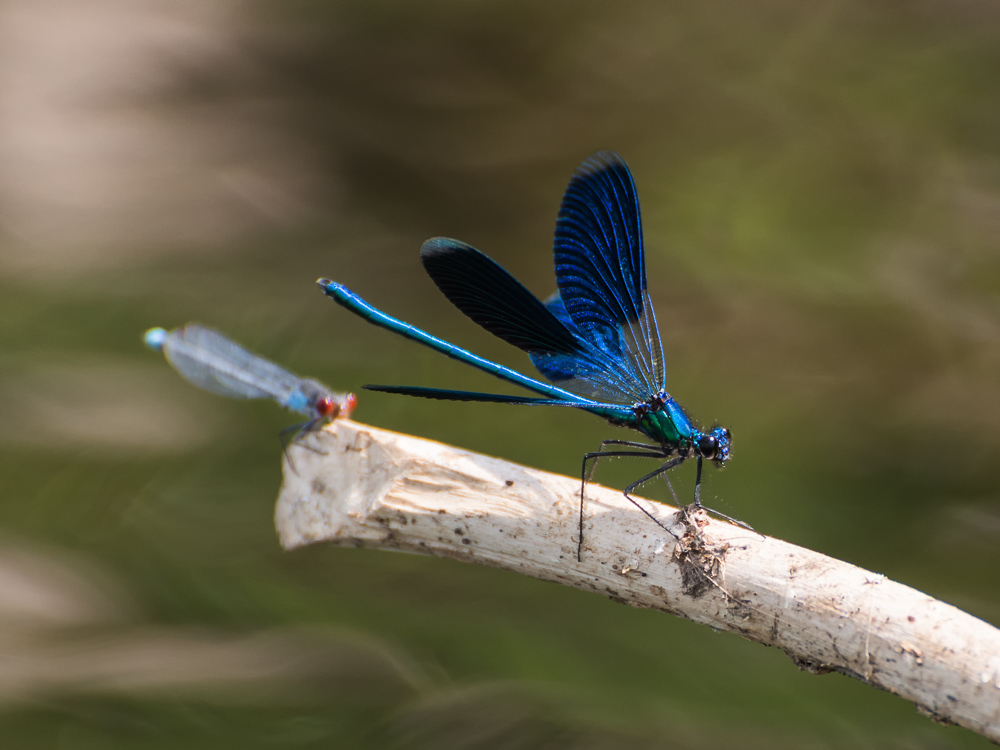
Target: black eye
708, 446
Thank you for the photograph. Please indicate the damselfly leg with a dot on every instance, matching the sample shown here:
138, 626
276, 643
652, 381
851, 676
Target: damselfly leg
295, 431
651, 451
713, 511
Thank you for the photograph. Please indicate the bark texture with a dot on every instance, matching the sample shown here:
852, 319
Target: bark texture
357, 485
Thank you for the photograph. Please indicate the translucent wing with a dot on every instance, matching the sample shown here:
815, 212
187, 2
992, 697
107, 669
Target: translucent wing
494, 299
209, 360
600, 269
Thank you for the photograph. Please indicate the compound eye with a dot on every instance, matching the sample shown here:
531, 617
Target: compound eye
349, 403
326, 407
708, 446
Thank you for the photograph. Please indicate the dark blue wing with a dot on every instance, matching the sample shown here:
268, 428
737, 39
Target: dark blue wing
483, 290
555, 306
600, 269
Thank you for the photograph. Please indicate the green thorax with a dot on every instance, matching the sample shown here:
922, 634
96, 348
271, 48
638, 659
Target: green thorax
668, 425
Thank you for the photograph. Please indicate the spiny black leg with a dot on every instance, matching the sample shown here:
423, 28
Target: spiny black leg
697, 501
628, 443
295, 430
631, 444
697, 485
584, 477
651, 517
732, 520
665, 467
303, 428
670, 486
662, 469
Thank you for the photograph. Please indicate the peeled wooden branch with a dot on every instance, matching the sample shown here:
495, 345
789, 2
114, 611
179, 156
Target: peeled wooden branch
362, 486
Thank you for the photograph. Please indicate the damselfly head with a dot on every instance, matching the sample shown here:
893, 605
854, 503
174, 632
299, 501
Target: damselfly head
715, 445
333, 406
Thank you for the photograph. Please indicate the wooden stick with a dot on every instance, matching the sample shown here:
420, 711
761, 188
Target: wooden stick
357, 485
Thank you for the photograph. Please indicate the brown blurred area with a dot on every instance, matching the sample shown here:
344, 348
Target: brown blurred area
110, 150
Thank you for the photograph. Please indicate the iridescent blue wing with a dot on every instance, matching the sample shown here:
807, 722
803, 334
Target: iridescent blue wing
609, 382
555, 305
601, 271
483, 290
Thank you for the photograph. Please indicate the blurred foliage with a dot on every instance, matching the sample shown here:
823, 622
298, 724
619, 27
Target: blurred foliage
821, 195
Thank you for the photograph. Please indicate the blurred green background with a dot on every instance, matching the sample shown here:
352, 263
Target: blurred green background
821, 193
